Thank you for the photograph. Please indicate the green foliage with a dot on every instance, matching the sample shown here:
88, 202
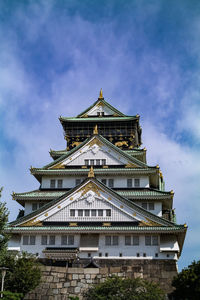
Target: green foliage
3, 222
187, 283
115, 288
24, 273
12, 296
73, 298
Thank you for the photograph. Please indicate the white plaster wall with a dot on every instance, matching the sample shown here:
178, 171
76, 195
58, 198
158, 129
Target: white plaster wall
157, 206
121, 182
27, 208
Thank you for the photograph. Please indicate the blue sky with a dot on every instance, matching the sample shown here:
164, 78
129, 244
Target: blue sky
56, 55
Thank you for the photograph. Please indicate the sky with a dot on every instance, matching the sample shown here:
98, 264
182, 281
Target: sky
145, 55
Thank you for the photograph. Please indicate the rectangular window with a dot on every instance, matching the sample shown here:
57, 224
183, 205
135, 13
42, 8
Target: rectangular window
127, 240
115, 240
89, 255
103, 162
100, 212
52, 239
64, 240
78, 181
144, 255
25, 239
52, 183
137, 182
72, 212
108, 212
87, 212
98, 113
91, 162
108, 240
129, 183
93, 212
103, 181
138, 254
148, 240
32, 239
120, 255
87, 162
106, 254
144, 205
34, 206
151, 206
98, 162
100, 254
70, 240
136, 240
80, 212
111, 183
44, 240
60, 183
154, 240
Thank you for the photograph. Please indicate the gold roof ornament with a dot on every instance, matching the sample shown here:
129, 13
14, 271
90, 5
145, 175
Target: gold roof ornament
172, 192
95, 131
101, 94
91, 172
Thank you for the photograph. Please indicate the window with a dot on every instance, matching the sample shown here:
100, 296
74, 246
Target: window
103, 181
100, 212
103, 162
148, 240
87, 162
138, 254
64, 240
87, 213
154, 240
135, 240
120, 255
60, 183
127, 240
91, 162
80, 212
44, 240
102, 113
41, 204
108, 240
98, 113
72, 212
111, 183
151, 206
89, 254
106, 254
144, 205
115, 240
98, 162
32, 239
93, 212
100, 254
137, 182
129, 183
25, 239
156, 254
52, 240
144, 255
108, 212
34, 206
52, 183
78, 181
70, 240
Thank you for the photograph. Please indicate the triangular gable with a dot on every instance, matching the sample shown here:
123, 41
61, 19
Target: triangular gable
92, 188
97, 147
101, 106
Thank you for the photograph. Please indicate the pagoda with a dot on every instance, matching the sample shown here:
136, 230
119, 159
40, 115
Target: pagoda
98, 200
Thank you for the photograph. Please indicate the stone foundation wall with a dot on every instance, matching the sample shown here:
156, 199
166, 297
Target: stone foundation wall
58, 283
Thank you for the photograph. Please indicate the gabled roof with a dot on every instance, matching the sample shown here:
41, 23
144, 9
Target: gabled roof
104, 141
97, 119
150, 216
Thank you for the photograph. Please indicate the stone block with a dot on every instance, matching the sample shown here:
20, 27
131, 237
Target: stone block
49, 279
77, 290
75, 270
59, 285
55, 291
63, 291
75, 276
66, 284
91, 271
115, 270
73, 283
87, 276
55, 279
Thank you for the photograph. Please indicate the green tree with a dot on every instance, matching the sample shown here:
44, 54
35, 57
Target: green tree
187, 283
3, 222
115, 288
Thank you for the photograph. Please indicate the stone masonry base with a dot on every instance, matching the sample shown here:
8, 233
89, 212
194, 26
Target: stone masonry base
58, 283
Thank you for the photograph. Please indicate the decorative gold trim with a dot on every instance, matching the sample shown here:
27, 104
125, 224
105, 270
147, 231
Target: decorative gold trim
101, 94
148, 223
46, 215
90, 186
121, 206
84, 167
134, 214
95, 131
71, 198
106, 224
59, 166
105, 167
157, 167
122, 143
130, 165
95, 141
73, 224
91, 172
172, 192
59, 206
32, 222
109, 198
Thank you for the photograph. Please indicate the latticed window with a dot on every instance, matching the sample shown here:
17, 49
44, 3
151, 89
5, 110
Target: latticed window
103, 162
128, 240
103, 181
34, 206
137, 182
111, 183
108, 240
52, 183
80, 212
154, 240
148, 240
93, 212
60, 183
52, 240
151, 206
72, 212
100, 212
129, 183
70, 240
144, 205
32, 239
136, 240
44, 240
87, 212
108, 212
64, 239
115, 240
25, 239
78, 181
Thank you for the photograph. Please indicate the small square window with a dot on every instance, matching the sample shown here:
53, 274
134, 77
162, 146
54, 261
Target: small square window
103, 181
44, 240
156, 254
144, 255
34, 206
93, 212
129, 183
70, 240
103, 162
78, 181
91, 162
100, 254
52, 240
168, 255
98, 162
100, 212
106, 254
25, 239
64, 240
135, 240
98, 113
52, 183
120, 255
137, 182
102, 113
87, 162
108, 212
108, 240
151, 206
60, 183
32, 239
154, 240
144, 205
111, 183
127, 240
80, 212
138, 254
89, 254
72, 212
87, 212
148, 240
115, 240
